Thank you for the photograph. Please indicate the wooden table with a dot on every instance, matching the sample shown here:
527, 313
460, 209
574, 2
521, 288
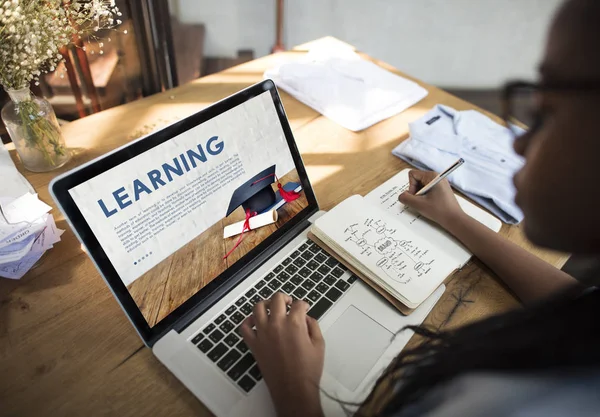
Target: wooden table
67, 349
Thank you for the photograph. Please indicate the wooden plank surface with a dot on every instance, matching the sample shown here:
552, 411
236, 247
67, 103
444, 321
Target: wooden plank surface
67, 349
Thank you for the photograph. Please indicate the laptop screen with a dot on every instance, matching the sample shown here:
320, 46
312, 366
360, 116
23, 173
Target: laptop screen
173, 218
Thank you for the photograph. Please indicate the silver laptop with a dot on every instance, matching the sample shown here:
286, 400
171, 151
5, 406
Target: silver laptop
165, 219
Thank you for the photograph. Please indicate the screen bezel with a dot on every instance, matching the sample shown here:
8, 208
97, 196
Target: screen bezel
60, 187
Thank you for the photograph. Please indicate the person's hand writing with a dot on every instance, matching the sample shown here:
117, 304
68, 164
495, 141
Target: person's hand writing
290, 351
439, 204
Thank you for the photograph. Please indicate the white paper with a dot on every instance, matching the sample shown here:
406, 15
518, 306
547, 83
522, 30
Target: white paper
26, 208
352, 92
16, 269
402, 262
50, 235
8, 230
386, 197
13, 184
13, 233
17, 250
261, 220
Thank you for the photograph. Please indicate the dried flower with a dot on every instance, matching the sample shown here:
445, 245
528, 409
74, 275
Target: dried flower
32, 32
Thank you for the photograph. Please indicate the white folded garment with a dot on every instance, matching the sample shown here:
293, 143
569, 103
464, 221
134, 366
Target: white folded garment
444, 134
345, 88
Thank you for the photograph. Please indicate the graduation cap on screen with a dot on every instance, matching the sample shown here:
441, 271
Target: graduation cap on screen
256, 194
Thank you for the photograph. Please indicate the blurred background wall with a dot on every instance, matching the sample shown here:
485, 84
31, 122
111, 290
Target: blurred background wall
462, 44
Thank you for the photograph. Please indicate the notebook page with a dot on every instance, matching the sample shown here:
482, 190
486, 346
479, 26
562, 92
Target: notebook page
401, 259
386, 197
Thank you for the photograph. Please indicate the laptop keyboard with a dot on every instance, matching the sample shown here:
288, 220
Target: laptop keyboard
308, 274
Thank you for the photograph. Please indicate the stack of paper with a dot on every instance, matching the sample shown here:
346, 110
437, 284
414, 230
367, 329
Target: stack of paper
352, 92
27, 230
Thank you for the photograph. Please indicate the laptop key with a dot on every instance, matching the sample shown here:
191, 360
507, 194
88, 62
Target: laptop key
240, 302
229, 359
295, 254
329, 280
209, 328
260, 284
299, 293
220, 319
250, 293
270, 275
231, 340
255, 373
314, 296
256, 299
319, 308
215, 354
316, 277
314, 248
237, 317
246, 309
286, 261
308, 285
333, 294
337, 272
331, 262
283, 276
288, 287
226, 327
278, 269
265, 292
197, 338
216, 336
322, 288
352, 279
230, 310
275, 284
291, 269
242, 347
242, 366
307, 255
305, 272
296, 280
342, 285
324, 269
205, 345
312, 264
246, 383
320, 257
303, 247
299, 262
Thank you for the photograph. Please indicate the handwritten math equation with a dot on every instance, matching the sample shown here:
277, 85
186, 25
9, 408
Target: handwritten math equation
401, 260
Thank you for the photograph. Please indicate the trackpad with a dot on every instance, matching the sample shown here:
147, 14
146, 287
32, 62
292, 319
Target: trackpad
354, 343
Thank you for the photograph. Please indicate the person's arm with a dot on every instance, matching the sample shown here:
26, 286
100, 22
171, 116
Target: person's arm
290, 352
527, 275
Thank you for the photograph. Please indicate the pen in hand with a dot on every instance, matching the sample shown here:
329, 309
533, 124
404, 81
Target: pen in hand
440, 177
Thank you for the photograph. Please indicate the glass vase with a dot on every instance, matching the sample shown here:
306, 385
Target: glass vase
33, 128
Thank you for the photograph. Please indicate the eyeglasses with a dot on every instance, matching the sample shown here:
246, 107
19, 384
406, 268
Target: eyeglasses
521, 102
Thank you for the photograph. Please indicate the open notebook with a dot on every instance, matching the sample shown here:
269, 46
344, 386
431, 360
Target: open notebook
401, 255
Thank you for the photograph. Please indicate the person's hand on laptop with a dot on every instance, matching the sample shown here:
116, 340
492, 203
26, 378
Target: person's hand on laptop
290, 351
